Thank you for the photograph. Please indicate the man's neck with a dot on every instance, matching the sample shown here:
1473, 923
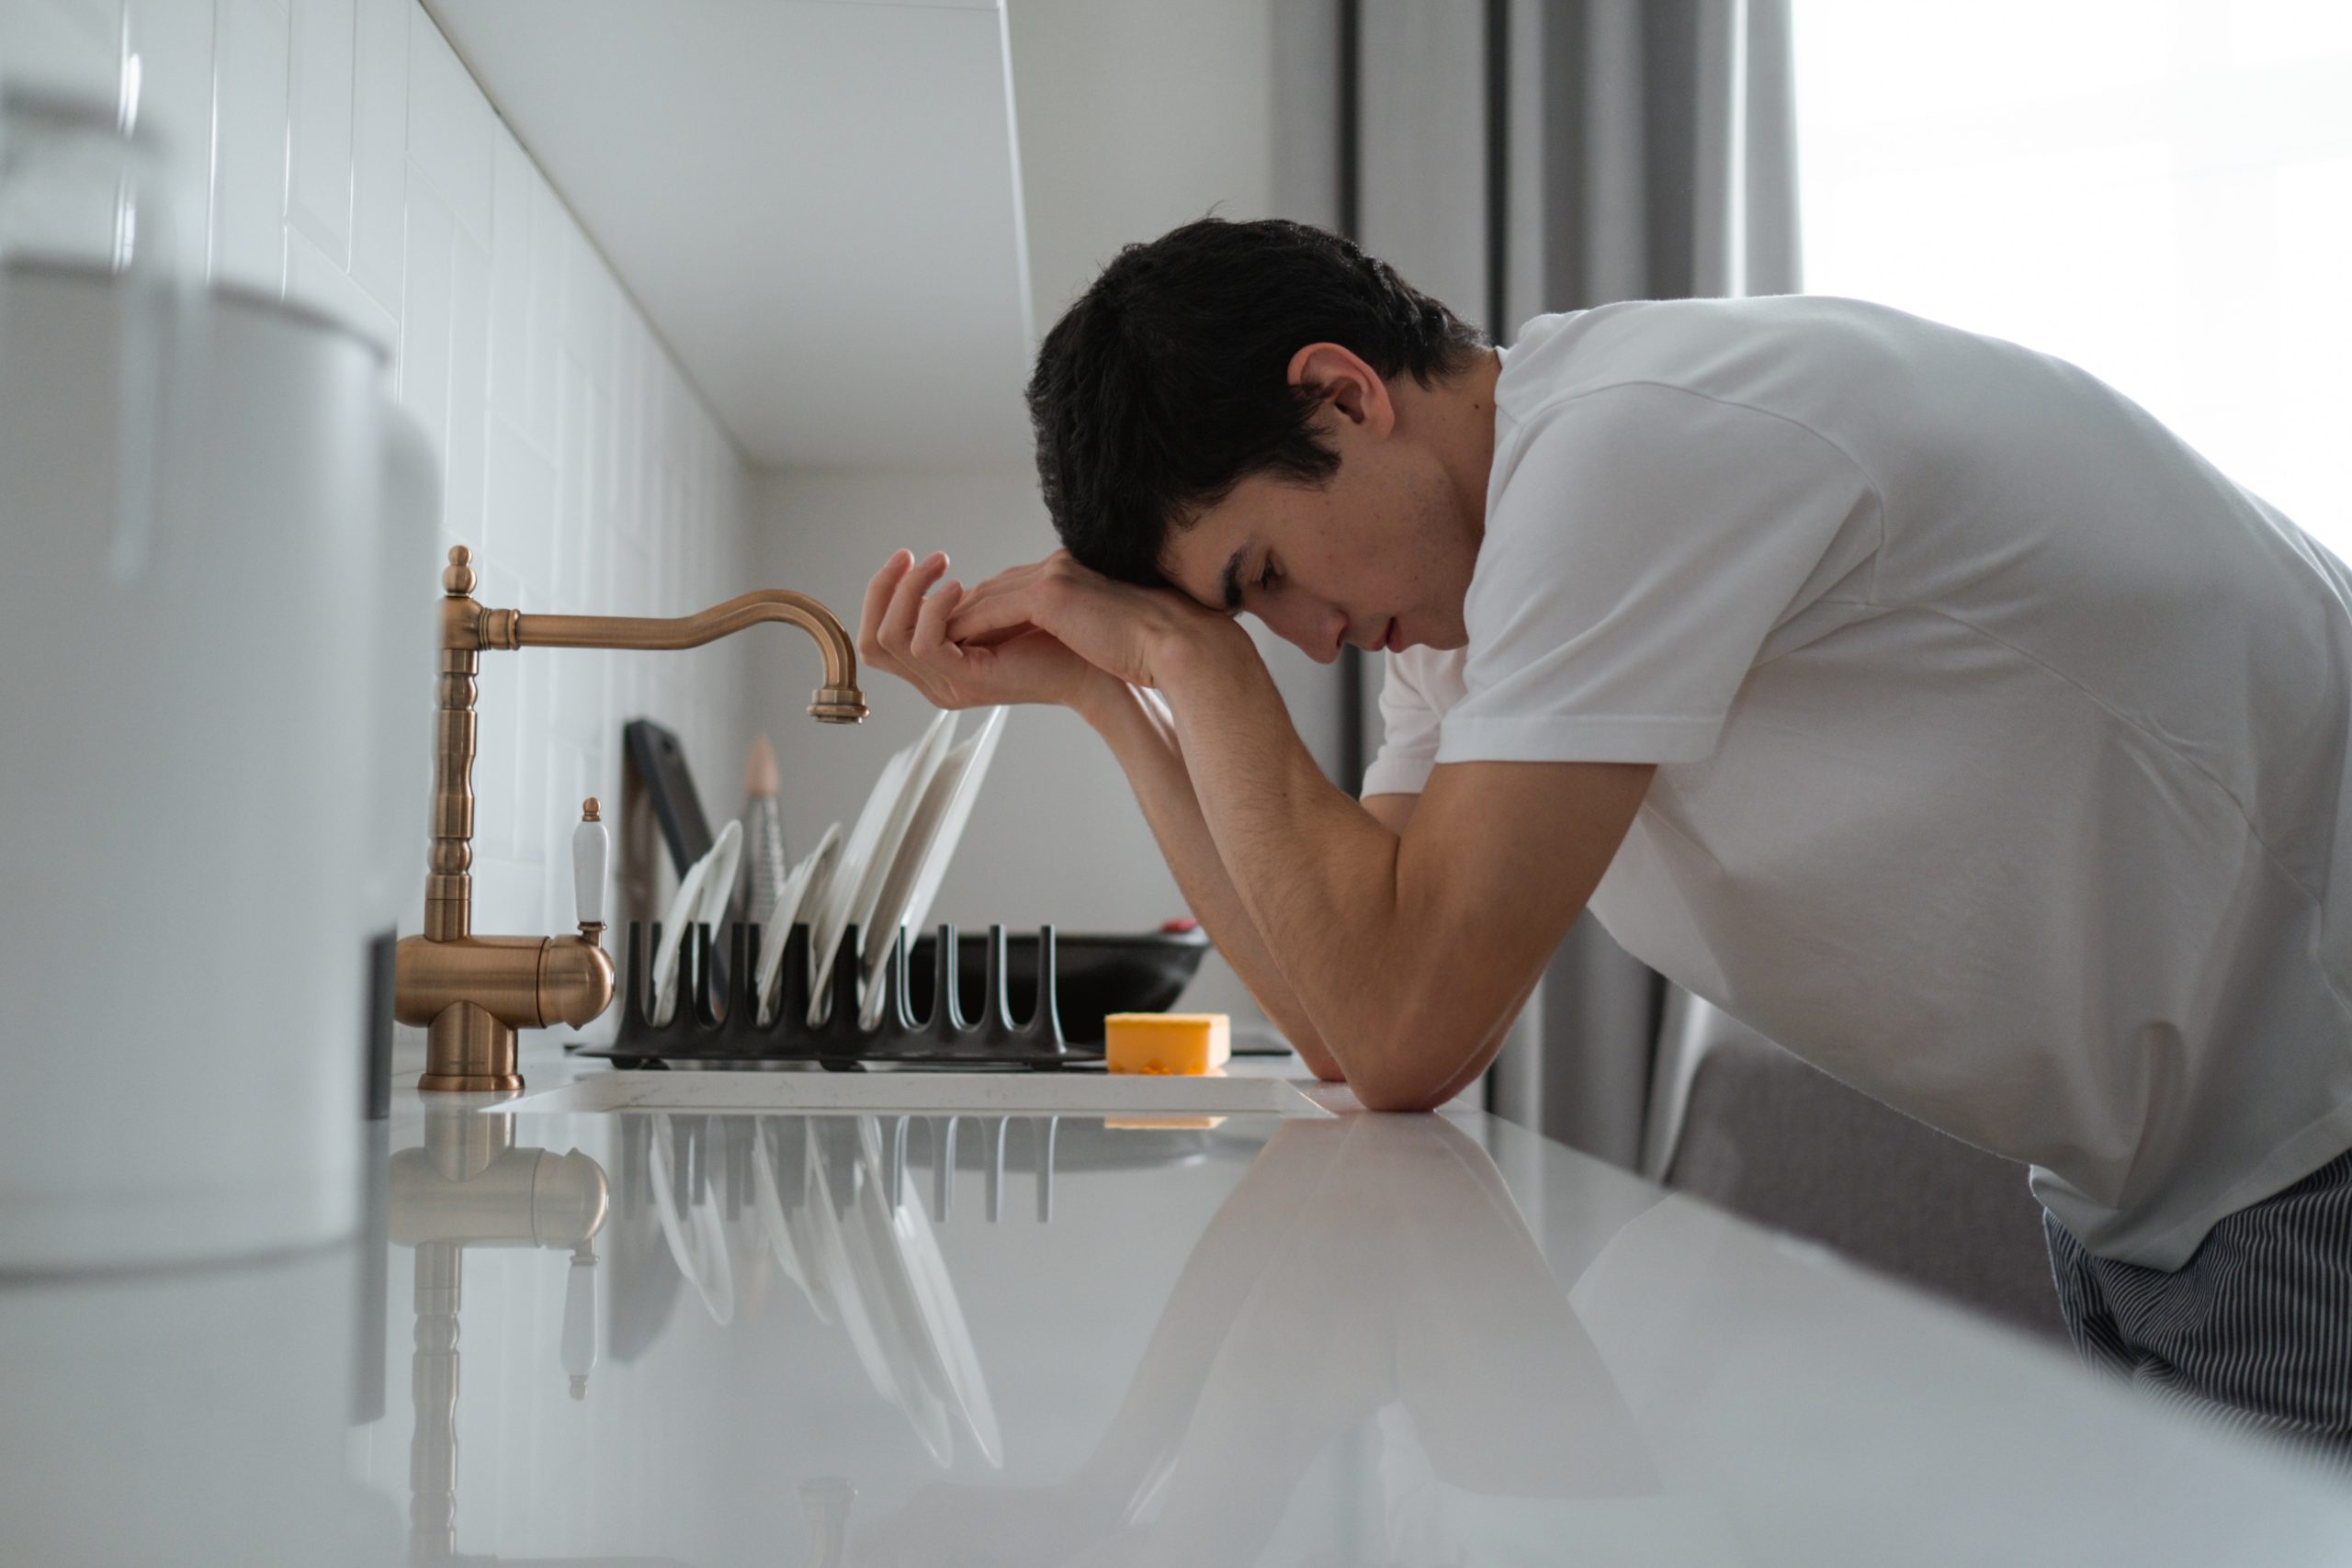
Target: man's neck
1463, 429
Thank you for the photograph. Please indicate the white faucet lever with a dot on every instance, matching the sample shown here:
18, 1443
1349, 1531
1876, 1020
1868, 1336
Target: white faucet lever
591, 848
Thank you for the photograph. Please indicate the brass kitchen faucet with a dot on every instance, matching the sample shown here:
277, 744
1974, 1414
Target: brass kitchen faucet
471, 993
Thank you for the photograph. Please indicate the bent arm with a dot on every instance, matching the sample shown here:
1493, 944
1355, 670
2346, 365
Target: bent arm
1392, 812
1142, 735
1409, 952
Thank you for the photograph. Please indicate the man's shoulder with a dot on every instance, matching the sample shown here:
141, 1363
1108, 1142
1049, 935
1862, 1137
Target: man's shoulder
1772, 351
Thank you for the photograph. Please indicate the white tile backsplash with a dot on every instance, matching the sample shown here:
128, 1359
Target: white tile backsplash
379, 146
339, 152
72, 44
173, 39
467, 458
314, 278
449, 128
425, 311
510, 277
250, 74
544, 312
318, 188
522, 508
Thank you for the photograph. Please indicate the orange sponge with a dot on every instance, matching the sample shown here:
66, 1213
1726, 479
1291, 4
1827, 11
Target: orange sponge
1186, 1043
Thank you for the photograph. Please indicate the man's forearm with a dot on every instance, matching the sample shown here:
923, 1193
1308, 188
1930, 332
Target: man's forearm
1318, 877
1142, 735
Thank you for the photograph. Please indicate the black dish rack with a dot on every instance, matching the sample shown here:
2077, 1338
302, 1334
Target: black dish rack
715, 1029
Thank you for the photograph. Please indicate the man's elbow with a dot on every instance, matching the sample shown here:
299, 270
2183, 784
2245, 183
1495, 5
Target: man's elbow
1418, 1070
1402, 1098
1400, 1090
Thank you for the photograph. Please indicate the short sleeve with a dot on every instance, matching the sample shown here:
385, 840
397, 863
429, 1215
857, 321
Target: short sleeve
1409, 722
1645, 542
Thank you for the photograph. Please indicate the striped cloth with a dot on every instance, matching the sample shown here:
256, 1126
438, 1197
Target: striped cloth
2253, 1333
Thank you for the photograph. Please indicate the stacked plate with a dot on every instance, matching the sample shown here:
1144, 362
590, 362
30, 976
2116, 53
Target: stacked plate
869, 1266
872, 1268
886, 872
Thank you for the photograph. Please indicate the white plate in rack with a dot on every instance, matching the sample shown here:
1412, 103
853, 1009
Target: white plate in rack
804, 890
879, 1263
830, 913
697, 1240
928, 845
935, 1302
767, 1191
865, 878
875, 1323
718, 877
676, 920
701, 899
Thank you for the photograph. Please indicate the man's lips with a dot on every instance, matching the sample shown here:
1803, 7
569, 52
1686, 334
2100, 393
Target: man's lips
1392, 639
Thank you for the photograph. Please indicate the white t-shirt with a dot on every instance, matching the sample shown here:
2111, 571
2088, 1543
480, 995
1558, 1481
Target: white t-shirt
2002, 739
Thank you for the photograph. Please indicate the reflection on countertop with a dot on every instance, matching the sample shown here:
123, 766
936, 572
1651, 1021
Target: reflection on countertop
888, 1341
469, 1186
1363, 1267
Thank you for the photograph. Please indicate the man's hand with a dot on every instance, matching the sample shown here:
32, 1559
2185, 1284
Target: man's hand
903, 631
1122, 630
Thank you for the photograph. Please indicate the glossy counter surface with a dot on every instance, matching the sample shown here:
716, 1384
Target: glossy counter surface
729, 1339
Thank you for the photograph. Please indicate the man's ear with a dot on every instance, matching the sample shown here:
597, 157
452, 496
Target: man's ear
1353, 390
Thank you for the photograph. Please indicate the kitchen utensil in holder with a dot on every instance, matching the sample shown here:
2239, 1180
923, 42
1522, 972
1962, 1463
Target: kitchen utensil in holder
701, 1030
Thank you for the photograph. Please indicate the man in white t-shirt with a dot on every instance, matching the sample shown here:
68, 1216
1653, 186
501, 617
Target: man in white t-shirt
1913, 696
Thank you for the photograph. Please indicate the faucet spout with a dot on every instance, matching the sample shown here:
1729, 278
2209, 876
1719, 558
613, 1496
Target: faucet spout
838, 701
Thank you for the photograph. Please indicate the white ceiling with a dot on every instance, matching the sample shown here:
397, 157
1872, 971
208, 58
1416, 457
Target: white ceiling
817, 203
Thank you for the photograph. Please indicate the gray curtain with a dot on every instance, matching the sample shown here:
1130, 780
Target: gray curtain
1516, 157
1655, 145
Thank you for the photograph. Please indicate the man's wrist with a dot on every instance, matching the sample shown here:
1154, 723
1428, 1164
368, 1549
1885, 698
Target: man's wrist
1197, 650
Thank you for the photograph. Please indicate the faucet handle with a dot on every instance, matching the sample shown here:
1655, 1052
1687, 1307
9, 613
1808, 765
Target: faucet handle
578, 1345
591, 848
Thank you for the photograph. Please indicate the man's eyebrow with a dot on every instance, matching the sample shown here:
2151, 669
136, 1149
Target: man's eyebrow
1232, 581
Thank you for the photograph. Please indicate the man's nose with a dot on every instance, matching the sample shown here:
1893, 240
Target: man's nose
1317, 629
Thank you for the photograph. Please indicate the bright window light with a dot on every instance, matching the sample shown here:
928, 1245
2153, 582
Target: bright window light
2161, 193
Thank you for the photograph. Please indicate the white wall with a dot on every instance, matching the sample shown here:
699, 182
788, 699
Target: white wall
1134, 118
336, 151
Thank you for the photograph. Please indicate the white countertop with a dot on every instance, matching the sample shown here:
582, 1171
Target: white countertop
1357, 1339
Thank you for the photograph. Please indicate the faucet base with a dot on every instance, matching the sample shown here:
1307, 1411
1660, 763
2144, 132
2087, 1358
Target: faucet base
444, 1083
469, 1050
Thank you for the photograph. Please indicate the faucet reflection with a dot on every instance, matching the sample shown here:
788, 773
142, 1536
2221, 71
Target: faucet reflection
469, 1186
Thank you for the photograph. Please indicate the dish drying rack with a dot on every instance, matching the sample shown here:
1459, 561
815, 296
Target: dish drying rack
705, 1030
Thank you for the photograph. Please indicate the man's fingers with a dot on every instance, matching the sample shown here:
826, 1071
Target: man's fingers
1012, 579
981, 614
930, 639
877, 600
879, 588
906, 601
995, 638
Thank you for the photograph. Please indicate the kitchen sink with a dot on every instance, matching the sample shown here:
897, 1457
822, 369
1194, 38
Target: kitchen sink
980, 1094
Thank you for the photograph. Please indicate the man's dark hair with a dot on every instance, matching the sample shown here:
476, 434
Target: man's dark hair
1167, 383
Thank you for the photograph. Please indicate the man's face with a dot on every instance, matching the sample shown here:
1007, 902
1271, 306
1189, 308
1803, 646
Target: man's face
1379, 557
